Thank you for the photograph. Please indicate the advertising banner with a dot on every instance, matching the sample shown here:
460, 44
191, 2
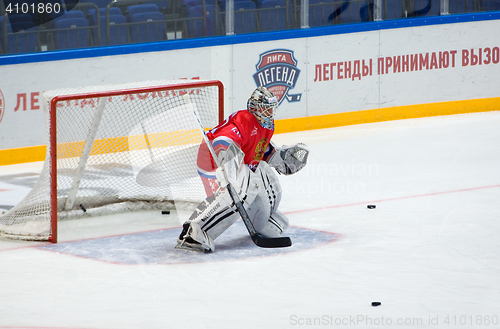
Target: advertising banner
311, 76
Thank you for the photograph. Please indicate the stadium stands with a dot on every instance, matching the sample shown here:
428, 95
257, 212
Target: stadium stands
273, 15
71, 33
245, 17
89, 23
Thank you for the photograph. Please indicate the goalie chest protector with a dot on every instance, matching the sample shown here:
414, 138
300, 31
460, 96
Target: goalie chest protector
243, 129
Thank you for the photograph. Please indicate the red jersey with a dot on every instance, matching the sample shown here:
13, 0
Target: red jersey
243, 129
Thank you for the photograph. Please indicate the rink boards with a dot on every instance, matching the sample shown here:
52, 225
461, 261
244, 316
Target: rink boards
324, 77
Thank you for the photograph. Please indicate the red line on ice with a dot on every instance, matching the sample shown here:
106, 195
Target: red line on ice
393, 199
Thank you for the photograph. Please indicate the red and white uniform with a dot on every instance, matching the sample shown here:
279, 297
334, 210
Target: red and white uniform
243, 129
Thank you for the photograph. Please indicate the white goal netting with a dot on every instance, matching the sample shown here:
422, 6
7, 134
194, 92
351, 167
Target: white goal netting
119, 148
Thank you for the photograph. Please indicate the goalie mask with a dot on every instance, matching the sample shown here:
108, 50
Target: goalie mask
263, 105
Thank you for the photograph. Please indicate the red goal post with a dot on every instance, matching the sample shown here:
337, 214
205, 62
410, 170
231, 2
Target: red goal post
116, 148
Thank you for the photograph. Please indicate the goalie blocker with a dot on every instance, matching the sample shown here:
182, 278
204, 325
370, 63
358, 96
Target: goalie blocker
259, 190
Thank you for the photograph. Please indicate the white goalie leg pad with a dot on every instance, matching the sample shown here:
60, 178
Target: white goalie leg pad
212, 217
217, 213
195, 239
276, 225
263, 211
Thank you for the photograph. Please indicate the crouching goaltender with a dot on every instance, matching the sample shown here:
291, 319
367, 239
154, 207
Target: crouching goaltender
243, 147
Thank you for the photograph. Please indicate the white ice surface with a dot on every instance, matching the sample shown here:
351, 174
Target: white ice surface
429, 252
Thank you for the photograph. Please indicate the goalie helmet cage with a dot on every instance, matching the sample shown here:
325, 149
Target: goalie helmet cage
116, 148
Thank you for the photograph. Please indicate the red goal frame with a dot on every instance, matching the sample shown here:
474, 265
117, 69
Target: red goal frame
53, 130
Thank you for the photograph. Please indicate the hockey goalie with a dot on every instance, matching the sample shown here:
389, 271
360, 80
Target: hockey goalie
246, 155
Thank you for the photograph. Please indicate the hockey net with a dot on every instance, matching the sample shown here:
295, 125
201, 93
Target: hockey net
117, 148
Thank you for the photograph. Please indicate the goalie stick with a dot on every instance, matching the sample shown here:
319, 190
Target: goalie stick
257, 238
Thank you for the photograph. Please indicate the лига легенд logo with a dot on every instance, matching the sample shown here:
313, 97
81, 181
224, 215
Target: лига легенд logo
277, 71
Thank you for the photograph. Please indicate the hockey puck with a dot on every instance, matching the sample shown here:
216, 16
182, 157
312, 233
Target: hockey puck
371, 206
165, 212
376, 303
83, 208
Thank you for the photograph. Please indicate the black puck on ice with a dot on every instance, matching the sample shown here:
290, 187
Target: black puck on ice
165, 212
376, 303
83, 208
371, 206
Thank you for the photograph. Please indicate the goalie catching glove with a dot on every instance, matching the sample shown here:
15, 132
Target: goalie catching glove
288, 160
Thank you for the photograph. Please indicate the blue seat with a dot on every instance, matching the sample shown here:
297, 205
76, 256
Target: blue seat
245, 17
99, 3
460, 6
434, 9
90, 10
74, 33
195, 27
222, 3
194, 3
72, 14
274, 18
117, 33
162, 4
68, 15
423, 8
4, 29
320, 12
346, 12
2, 23
102, 13
66, 9
149, 27
393, 9
138, 9
22, 26
367, 12
20, 18
491, 5
21, 38
70, 4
